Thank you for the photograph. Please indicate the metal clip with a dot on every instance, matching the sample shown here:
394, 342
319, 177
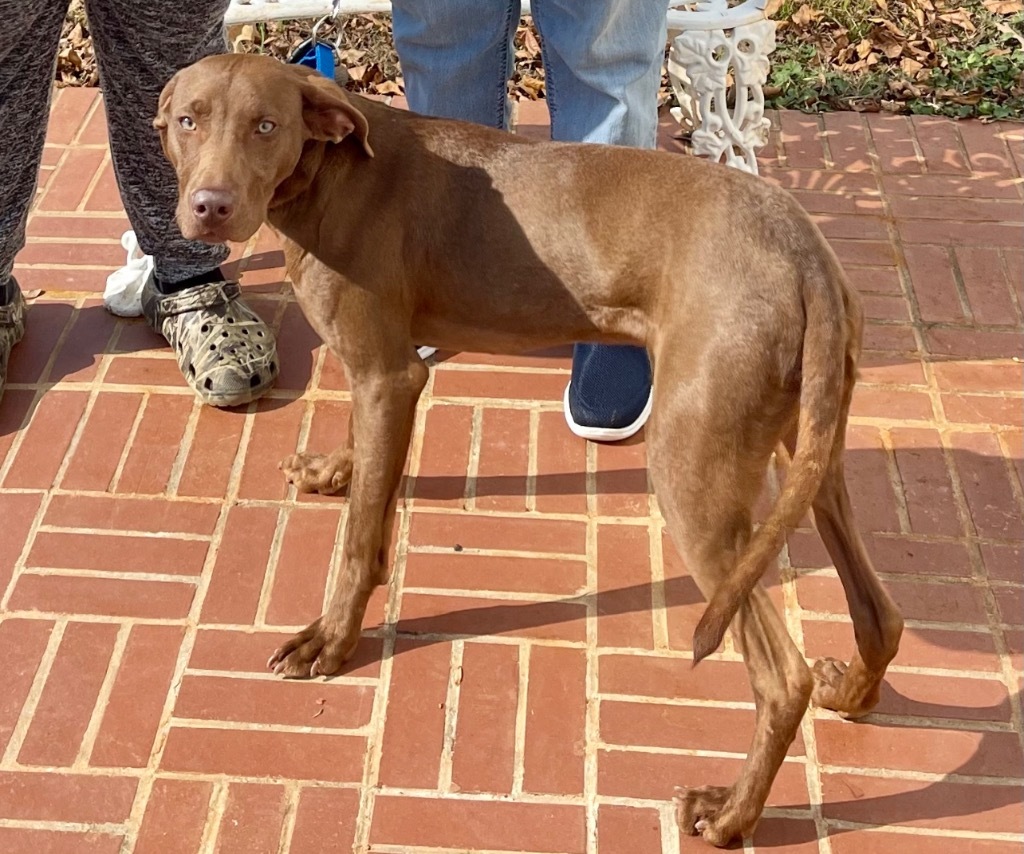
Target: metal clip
317, 54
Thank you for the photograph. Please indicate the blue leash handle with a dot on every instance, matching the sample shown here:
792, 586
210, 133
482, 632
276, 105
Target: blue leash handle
316, 55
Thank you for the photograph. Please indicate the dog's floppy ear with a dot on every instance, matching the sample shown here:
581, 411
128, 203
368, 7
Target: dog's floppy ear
164, 108
329, 114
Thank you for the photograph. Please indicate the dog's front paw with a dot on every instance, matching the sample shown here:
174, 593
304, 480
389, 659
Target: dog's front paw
323, 473
315, 651
704, 812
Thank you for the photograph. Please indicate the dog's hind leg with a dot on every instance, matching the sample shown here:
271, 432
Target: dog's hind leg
708, 453
877, 625
853, 690
781, 682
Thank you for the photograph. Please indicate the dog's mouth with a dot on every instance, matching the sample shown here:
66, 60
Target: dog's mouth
208, 236
229, 232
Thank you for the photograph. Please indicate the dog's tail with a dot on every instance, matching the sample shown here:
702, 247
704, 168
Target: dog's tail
826, 345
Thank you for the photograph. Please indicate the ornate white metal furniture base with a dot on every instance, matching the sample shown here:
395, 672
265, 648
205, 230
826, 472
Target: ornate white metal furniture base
718, 65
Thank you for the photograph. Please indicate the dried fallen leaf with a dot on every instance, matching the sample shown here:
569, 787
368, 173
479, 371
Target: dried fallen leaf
34, 293
909, 66
532, 87
1010, 31
968, 100
352, 56
893, 28
530, 43
70, 56
805, 15
904, 90
892, 50
318, 713
1003, 7
960, 18
458, 675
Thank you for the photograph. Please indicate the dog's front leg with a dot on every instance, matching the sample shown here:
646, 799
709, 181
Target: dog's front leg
383, 410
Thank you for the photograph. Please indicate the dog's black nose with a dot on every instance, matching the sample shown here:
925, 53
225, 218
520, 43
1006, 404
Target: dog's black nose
212, 207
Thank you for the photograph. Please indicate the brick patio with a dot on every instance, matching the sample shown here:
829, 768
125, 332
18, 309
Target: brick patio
518, 693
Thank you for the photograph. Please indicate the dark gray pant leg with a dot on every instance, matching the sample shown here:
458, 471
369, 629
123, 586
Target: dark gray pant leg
28, 55
139, 47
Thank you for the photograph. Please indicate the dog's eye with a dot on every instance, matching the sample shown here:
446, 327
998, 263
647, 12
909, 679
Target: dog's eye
266, 126
187, 123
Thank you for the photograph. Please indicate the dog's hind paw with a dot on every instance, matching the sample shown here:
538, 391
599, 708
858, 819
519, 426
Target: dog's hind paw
848, 690
327, 474
312, 652
703, 812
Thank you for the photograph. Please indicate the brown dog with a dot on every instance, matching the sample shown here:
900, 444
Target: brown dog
484, 241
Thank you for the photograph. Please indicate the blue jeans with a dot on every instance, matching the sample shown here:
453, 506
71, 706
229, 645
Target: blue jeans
602, 64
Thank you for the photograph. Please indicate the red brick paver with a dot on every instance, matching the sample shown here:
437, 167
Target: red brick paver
526, 684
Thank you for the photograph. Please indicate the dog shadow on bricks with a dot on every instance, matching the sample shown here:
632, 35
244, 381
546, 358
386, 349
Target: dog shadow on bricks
933, 578
928, 555
974, 796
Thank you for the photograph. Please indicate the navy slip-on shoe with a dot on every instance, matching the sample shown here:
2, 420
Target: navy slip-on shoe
609, 396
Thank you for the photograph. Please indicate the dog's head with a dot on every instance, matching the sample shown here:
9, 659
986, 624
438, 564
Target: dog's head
234, 127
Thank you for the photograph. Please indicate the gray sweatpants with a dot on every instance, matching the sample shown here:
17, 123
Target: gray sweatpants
139, 46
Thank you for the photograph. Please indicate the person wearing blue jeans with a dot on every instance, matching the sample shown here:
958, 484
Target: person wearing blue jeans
602, 62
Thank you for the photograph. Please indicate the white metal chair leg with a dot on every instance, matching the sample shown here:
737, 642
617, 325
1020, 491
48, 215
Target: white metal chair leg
720, 50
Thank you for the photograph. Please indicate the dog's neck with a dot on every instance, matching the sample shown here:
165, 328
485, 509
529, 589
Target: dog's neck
323, 171
320, 170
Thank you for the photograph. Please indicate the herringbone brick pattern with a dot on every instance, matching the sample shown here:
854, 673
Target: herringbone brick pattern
525, 683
